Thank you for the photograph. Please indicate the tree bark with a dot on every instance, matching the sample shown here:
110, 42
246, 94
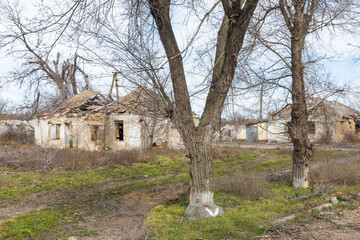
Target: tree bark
298, 126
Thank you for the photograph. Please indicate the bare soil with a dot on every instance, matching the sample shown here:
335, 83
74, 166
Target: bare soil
126, 221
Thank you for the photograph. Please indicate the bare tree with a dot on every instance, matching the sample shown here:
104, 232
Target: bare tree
301, 18
285, 61
27, 43
197, 139
2, 106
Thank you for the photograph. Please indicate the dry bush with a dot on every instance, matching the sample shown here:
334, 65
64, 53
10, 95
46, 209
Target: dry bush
76, 159
13, 137
285, 177
35, 158
26, 158
244, 186
346, 173
351, 137
222, 152
325, 138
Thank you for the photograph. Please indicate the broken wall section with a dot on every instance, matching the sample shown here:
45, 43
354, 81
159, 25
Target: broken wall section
17, 130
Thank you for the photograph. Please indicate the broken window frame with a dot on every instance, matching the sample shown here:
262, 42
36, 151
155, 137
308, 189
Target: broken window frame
119, 130
94, 131
55, 131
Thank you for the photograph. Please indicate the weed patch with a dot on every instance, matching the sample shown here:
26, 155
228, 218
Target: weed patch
347, 173
243, 218
50, 223
244, 186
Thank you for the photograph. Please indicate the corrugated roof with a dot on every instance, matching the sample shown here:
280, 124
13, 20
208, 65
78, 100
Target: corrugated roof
85, 101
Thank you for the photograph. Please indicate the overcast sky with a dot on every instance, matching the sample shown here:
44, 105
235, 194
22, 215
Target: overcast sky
341, 65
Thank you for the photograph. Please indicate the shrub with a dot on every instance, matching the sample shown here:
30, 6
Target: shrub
38, 158
281, 177
17, 136
326, 137
350, 136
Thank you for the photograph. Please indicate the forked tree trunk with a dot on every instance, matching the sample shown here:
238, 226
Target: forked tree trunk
197, 140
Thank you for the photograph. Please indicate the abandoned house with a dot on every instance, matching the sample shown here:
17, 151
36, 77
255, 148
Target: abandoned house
329, 121
87, 121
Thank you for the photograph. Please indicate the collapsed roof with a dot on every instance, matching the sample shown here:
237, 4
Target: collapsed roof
86, 101
141, 100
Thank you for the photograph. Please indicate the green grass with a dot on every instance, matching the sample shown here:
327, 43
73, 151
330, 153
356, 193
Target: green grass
50, 223
243, 219
245, 216
19, 185
55, 221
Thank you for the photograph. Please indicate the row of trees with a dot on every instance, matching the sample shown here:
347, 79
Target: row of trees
140, 39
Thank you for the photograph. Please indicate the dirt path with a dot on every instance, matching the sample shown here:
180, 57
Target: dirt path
45, 199
126, 220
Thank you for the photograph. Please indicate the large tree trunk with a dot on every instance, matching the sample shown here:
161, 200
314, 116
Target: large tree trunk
299, 115
197, 140
201, 172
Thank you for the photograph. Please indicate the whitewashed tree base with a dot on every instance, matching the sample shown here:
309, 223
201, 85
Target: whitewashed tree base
201, 211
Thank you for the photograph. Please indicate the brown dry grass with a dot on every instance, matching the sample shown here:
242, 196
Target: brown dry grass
13, 137
345, 173
76, 159
351, 137
244, 186
25, 157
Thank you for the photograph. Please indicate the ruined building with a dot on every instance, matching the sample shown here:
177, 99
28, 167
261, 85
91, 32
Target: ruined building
87, 121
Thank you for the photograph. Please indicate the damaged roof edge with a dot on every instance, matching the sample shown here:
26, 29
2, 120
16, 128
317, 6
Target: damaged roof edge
140, 101
74, 102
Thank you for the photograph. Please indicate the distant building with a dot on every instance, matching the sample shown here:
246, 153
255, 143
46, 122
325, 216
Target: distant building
329, 121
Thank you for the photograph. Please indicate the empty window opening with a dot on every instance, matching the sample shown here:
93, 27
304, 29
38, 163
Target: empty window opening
119, 130
311, 126
94, 130
55, 131
357, 127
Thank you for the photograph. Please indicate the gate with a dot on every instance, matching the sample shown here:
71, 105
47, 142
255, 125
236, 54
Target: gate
252, 134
